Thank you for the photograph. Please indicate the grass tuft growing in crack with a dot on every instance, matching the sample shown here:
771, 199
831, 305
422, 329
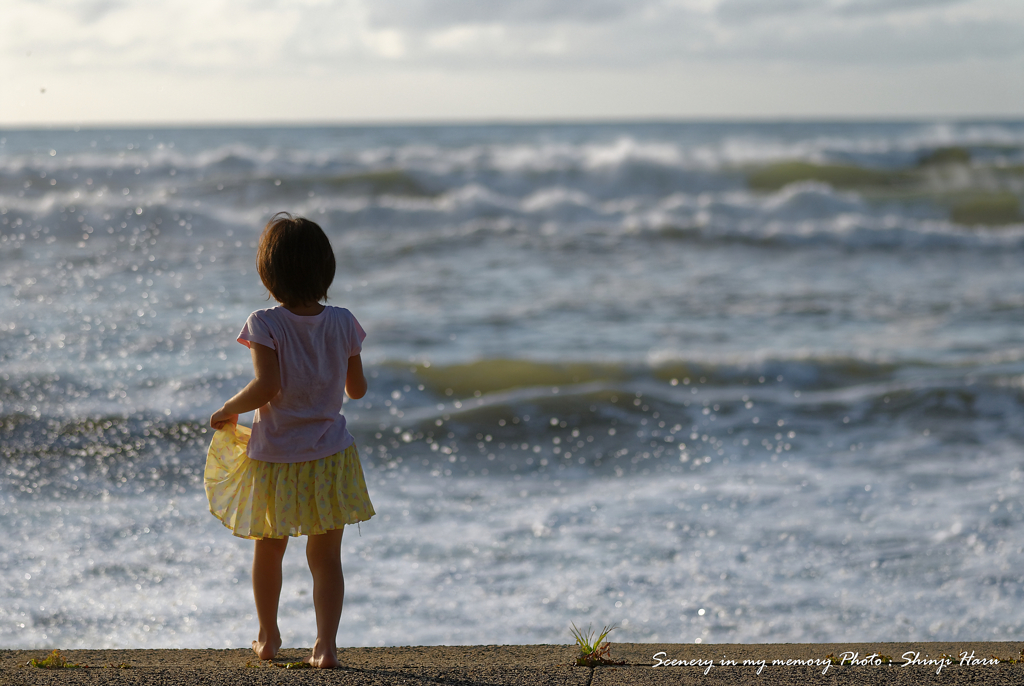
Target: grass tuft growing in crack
593, 651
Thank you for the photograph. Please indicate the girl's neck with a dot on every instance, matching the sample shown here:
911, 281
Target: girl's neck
305, 309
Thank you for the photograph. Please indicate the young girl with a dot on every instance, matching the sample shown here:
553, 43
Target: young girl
297, 473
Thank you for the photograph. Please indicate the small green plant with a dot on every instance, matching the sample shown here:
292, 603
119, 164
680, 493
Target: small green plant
593, 651
54, 661
293, 665
119, 665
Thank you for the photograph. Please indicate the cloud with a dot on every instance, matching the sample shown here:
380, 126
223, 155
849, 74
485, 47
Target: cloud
871, 32
427, 15
746, 11
890, 7
310, 36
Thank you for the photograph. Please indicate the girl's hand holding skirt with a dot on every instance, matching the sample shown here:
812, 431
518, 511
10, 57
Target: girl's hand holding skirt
257, 499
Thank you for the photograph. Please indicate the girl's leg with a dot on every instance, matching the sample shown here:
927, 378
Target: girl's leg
266, 588
323, 552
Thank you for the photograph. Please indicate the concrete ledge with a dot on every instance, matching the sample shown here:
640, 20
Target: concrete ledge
539, 665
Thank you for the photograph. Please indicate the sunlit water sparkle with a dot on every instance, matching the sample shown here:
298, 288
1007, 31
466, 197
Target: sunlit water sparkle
609, 384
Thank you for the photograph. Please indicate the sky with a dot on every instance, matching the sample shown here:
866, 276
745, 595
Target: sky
89, 62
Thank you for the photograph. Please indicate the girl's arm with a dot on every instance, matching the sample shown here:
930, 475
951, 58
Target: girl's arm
355, 380
258, 392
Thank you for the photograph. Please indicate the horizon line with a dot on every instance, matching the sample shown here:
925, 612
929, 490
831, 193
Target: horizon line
440, 122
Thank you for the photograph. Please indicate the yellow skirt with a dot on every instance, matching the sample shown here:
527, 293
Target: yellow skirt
257, 499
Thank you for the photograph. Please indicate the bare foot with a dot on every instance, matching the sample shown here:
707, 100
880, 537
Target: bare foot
323, 657
265, 648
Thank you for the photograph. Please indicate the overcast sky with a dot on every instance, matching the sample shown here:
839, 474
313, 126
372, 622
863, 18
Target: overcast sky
140, 61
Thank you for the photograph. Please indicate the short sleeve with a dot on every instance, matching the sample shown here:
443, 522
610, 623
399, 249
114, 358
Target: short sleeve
256, 331
356, 337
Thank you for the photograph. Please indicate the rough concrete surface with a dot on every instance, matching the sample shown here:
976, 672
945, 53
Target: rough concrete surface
540, 665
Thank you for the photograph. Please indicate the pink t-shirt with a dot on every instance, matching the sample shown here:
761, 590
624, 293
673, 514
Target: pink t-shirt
304, 421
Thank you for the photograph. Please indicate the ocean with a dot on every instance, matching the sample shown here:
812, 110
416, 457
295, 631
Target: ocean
706, 382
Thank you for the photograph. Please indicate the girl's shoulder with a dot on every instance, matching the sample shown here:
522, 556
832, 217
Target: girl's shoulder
348, 326
339, 312
268, 313
269, 317
280, 317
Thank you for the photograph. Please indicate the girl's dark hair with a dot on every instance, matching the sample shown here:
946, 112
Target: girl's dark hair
295, 260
